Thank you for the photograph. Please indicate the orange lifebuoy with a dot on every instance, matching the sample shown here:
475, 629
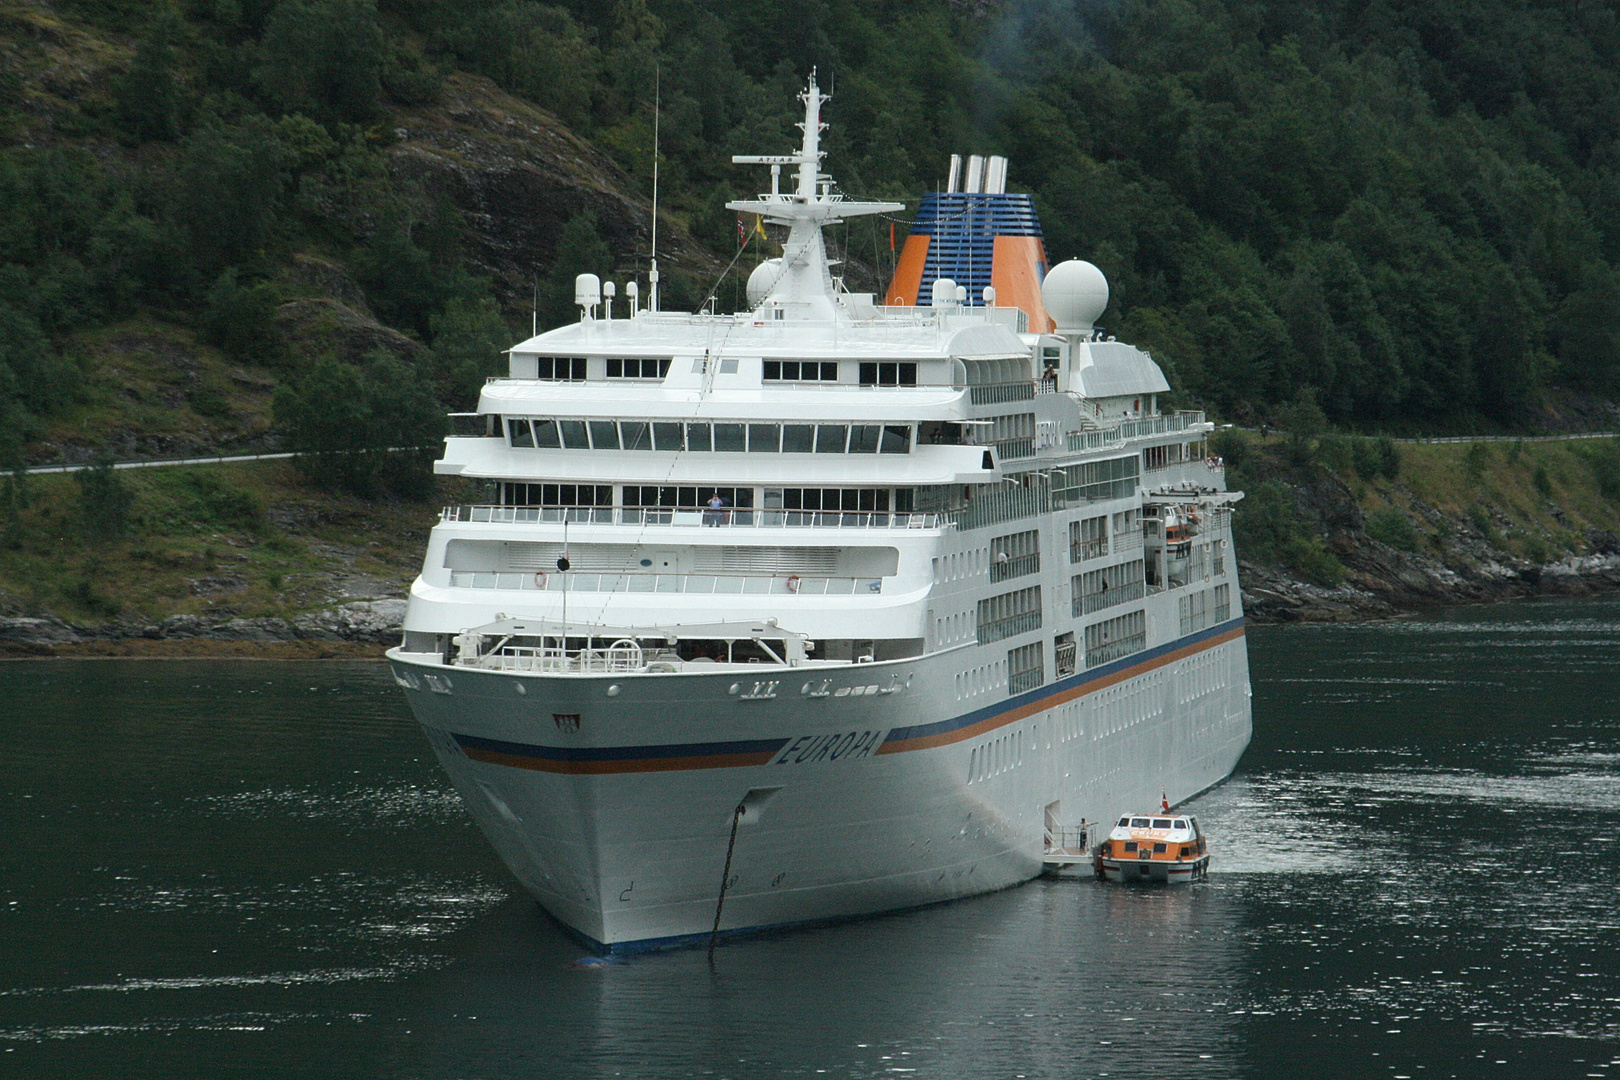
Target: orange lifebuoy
540, 580
793, 583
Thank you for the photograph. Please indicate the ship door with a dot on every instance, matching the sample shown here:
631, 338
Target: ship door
666, 562
1054, 826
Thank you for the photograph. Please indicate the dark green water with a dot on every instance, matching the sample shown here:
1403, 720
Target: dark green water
237, 869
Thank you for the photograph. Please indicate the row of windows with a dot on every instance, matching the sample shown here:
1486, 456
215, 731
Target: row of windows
556, 494
801, 370
979, 680
878, 373
704, 436
1093, 481
561, 368
1202, 674
631, 367
646, 495
960, 564
888, 374
954, 628
996, 757
828, 499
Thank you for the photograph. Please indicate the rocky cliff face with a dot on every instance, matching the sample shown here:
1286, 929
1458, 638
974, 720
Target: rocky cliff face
516, 174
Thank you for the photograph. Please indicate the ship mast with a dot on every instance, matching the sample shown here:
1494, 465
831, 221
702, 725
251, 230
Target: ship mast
805, 288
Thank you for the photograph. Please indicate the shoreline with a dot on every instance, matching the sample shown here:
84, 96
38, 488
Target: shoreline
360, 631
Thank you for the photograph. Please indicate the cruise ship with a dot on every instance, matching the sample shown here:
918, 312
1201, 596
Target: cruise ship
835, 605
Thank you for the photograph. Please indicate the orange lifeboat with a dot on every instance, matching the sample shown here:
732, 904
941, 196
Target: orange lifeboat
1164, 847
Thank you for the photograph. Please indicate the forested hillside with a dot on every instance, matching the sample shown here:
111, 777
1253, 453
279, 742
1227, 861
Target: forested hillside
234, 221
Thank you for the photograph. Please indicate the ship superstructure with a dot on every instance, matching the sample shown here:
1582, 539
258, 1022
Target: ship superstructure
897, 595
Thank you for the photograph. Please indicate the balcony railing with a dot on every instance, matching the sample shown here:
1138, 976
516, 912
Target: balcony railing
1021, 447
998, 393
700, 584
1107, 598
997, 629
1088, 549
1109, 433
1017, 566
728, 518
1114, 650
1020, 681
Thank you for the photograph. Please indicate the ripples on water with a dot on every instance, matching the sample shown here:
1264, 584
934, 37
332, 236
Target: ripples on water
255, 869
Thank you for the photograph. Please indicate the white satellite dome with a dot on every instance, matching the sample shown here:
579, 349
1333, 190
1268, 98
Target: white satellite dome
1075, 294
761, 281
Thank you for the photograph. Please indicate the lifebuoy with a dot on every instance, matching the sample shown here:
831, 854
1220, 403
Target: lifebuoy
793, 583
540, 580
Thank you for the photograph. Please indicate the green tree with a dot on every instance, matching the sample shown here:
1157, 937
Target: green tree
324, 58
241, 319
363, 428
149, 96
580, 250
225, 190
468, 340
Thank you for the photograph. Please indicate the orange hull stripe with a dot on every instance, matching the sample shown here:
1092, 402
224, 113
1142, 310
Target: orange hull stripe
1000, 720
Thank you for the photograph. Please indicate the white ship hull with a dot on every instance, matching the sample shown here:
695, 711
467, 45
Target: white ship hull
869, 788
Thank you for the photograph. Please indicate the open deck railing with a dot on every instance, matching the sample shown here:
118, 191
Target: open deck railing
722, 519
703, 584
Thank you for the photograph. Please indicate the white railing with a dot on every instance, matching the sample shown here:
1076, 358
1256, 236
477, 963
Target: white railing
1107, 598
1114, 650
694, 517
618, 658
999, 393
702, 584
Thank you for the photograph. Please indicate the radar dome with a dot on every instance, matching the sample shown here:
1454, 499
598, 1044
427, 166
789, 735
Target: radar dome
761, 281
1075, 294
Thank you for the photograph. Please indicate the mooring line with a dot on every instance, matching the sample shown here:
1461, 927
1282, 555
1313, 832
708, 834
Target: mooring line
725, 876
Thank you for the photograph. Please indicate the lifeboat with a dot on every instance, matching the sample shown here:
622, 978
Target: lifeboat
1162, 847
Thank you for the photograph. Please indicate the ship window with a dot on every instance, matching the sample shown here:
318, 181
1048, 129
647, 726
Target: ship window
798, 438
836, 499
1180, 823
863, 438
801, 371
668, 437
634, 435
697, 437
1140, 823
729, 437
1185, 851
647, 367
571, 494
604, 434
545, 434
888, 374
1130, 845
573, 434
560, 368
1161, 823
1124, 822
764, 437
830, 438
896, 440
521, 436
1160, 848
